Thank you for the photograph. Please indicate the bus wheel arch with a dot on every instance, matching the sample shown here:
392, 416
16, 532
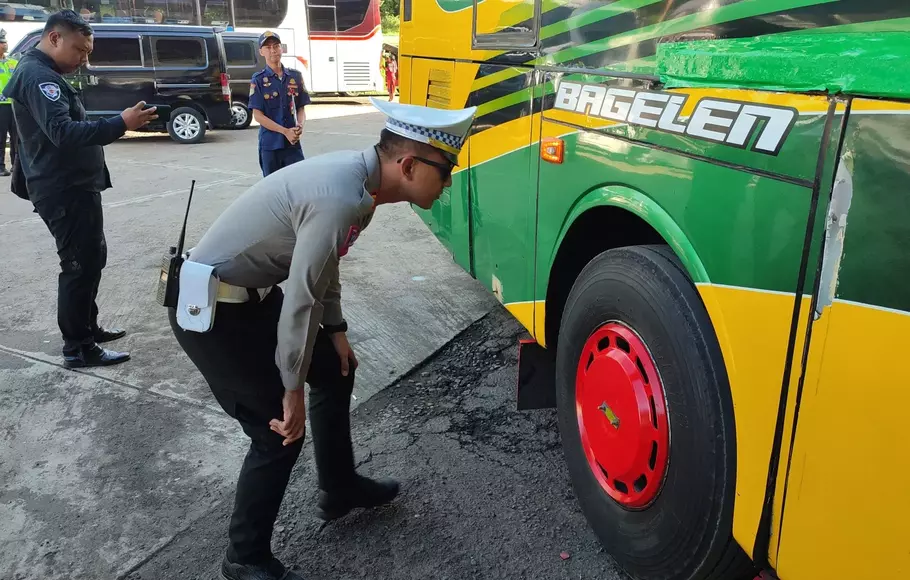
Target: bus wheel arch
603, 219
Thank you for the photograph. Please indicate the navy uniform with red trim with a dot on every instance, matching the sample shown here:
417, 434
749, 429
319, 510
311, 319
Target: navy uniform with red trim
281, 96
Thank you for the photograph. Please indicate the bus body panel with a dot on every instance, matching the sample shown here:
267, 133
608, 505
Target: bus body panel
738, 210
746, 230
434, 83
504, 198
847, 509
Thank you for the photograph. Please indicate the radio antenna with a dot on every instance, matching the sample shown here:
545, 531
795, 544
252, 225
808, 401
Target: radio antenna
185, 218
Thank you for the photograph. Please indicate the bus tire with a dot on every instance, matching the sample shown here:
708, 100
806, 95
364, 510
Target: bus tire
646, 418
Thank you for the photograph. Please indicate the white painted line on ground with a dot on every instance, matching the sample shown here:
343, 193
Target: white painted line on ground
344, 134
172, 192
43, 358
142, 199
190, 168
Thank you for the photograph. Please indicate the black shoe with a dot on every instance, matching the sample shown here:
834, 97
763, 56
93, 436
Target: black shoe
366, 493
271, 570
4, 172
95, 356
107, 335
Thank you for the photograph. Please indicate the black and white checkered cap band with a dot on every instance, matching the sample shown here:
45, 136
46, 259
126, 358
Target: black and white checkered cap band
445, 138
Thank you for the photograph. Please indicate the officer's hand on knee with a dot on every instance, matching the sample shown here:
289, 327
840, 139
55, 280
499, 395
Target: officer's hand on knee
293, 425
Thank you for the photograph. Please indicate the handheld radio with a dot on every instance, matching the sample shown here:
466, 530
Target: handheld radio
169, 277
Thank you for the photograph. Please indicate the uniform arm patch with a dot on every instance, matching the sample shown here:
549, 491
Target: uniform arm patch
51, 91
255, 100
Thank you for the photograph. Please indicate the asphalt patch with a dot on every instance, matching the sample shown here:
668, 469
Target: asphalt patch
485, 491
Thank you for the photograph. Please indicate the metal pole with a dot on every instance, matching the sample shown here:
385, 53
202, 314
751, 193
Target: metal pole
232, 22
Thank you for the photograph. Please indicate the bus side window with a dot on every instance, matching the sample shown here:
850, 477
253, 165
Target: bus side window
321, 18
490, 32
260, 13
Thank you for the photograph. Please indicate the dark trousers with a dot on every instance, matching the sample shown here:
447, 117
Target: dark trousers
76, 221
7, 128
237, 359
272, 161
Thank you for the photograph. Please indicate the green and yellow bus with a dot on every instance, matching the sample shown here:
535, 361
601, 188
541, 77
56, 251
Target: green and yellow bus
700, 211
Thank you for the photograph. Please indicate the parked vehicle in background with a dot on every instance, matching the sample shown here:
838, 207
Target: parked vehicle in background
180, 69
243, 61
336, 44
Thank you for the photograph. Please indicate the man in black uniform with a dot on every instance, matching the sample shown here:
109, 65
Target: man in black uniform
62, 160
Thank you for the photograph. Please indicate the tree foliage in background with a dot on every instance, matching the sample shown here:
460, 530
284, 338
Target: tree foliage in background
388, 9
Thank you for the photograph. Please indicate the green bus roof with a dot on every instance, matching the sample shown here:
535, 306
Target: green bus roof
865, 64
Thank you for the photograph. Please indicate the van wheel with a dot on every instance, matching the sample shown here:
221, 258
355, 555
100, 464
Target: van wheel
240, 115
646, 418
187, 125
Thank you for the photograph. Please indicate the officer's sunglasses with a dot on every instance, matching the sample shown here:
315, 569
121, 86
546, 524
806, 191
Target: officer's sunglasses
444, 169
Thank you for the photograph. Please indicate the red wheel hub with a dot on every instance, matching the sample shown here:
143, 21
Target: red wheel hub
622, 415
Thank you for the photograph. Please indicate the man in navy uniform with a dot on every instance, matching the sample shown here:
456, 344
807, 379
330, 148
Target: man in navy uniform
294, 226
277, 98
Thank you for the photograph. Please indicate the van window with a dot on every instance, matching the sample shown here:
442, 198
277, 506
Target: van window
26, 44
115, 52
183, 52
240, 53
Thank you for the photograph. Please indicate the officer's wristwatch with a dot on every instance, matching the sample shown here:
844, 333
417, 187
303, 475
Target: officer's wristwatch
333, 328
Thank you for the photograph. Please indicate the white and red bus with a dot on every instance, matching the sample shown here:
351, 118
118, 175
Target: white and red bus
336, 44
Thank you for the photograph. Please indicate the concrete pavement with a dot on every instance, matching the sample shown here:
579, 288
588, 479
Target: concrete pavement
101, 469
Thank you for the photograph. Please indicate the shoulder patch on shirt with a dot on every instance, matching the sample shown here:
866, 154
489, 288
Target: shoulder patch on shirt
252, 88
349, 240
51, 91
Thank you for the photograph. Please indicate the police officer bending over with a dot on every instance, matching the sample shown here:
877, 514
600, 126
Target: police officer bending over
63, 164
277, 99
264, 344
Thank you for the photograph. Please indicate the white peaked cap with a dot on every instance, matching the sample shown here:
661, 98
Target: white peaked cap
441, 128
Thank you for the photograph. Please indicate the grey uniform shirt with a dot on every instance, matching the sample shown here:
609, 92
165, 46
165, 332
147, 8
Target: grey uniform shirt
295, 225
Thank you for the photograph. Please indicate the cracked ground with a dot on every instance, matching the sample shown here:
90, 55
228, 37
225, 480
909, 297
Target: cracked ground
485, 491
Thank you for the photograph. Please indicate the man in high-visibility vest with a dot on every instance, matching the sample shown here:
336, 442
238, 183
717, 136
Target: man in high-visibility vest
7, 124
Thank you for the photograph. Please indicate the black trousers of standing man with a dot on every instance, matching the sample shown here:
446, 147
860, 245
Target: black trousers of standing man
7, 128
76, 221
237, 359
